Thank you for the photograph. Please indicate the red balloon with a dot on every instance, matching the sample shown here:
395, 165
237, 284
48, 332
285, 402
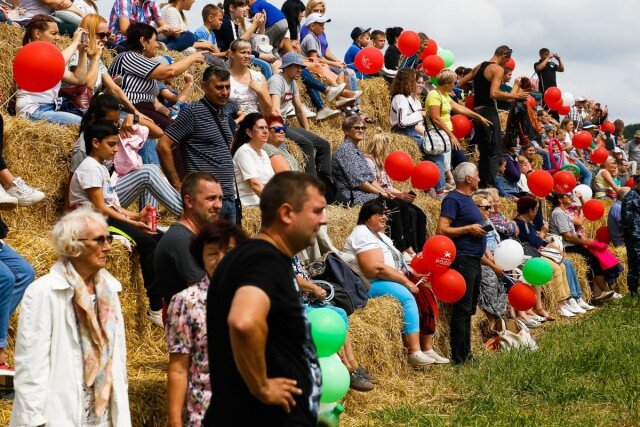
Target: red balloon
582, 139
522, 297
419, 265
469, 102
564, 110
593, 209
369, 60
564, 182
608, 127
398, 165
430, 49
408, 42
38, 66
556, 105
438, 252
531, 102
511, 64
599, 156
425, 175
461, 125
540, 183
432, 65
602, 235
630, 183
449, 286
552, 95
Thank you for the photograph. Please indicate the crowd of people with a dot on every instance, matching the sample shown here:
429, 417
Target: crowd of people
233, 306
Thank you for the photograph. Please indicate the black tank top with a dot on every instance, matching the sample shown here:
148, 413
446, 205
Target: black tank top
482, 87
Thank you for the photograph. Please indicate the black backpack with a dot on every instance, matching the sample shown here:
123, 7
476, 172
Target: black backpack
337, 272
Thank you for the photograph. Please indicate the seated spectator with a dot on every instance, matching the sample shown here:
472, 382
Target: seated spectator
392, 54
414, 60
293, 10
506, 188
250, 162
66, 14
281, 159
180, 39
373, 254
42, 105
189, 389
138, 71
171, 100
378, 39
91, 184
206, 42
506, 228
407, 114
284, 95
615, 216
361, 38
604, 183
525, 170
125, 13
536, 156
249, 88
275, 25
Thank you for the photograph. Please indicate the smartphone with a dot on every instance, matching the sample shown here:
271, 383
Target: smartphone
84, 38
488, 228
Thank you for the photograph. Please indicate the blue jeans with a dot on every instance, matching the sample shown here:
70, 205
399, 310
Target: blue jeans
265, 67
314, 306
228, 210
546, 160
314, 88
15, 275
411, 317
438, 159
572, 279
149, 154
584, 172
181, 42
410, 132
47, 112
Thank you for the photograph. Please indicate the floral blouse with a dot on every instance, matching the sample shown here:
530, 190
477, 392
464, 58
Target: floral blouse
187, 334
350, 171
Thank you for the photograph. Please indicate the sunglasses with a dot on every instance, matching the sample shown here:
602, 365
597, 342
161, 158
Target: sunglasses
359, 128
279, 129
100, 240
486, 207
103, 35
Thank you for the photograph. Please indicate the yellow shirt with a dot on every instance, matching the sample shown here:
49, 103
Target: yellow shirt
444, 101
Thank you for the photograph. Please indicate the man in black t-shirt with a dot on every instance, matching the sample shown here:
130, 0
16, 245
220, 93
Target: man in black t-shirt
546, 71
262, 362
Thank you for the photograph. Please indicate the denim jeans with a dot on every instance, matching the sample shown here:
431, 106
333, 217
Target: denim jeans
546, 160
47, 112
181, 42
584, 172
228, 210
314, 88
438, 159
265, 67
572, 279
15, 275
149, 154
410, 132
410, 316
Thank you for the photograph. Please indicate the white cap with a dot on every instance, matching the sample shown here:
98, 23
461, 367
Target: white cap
316, 17
580, 99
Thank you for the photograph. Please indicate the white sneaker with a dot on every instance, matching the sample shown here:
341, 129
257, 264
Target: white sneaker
26, 195
345, 102
617, 296
7, 201
574, 307
357, 94
419, 359
435, 356
325, 113
334, 91
289, 112
583, 305
155, 317
308, 112
565, 312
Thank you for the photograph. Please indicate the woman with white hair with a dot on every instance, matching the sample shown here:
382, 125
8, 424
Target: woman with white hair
70, 350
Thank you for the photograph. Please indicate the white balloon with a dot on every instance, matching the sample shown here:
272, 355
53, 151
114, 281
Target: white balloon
585, 191
568, 99
509, 254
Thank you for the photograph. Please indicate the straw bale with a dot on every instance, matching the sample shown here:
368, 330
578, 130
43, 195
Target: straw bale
11, 41
621, 284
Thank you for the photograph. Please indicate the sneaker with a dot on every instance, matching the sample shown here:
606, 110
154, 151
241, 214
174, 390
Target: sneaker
7, 201
583, 305
155, 317
617, 296
289, 112
325, 113
308, 112
359, 383
357, 94
574, 307
419, 359
603, 296
531, 323
366, 375
26, 195
335, 91
6, 370
538, 318
565, 312
345, 102
435, 356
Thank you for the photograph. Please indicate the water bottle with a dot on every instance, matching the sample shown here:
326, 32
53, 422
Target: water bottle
330, 418
175, 110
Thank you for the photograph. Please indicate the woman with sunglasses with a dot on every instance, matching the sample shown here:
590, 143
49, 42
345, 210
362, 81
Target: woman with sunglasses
276, 148
250, 162
91, 183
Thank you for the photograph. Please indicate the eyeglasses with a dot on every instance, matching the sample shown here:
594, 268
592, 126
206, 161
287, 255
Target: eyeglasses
278, 129
103, 35
100, 240
359, 128
485, 207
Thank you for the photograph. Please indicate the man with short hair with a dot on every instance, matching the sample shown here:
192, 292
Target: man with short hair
630, 222
487, 78
263, 366
546, 69
378, 39
175, 268
614, 217
461, 221
202, 133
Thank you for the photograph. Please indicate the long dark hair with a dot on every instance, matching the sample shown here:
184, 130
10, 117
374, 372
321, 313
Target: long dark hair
100, 105
392, 34
291, 9
241, 136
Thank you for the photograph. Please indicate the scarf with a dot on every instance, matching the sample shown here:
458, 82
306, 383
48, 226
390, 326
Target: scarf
97, 333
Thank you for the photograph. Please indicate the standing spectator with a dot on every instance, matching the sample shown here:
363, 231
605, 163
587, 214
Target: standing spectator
263, 364
124, 13
284, 94
275, 25
546, 71
630, 221
461, 220
487, 78
378, 39
203, 135
615, 216
392, 54
180, 39
175, 268
71, 365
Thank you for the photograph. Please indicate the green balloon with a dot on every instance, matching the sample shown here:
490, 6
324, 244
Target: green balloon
335, 379
327, 330
434, 81
537, 271
447, 57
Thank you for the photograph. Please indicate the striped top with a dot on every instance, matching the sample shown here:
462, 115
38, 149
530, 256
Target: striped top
202, 146
135, 69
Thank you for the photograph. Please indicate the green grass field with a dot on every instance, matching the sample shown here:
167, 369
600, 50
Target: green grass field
586, 373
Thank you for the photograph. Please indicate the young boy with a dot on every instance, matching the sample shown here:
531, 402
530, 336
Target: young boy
206, 39
378, 39
361, 39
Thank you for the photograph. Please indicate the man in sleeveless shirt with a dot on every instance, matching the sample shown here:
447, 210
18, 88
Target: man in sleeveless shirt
487, 78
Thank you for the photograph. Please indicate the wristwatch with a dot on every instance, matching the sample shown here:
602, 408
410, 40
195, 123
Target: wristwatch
136, 119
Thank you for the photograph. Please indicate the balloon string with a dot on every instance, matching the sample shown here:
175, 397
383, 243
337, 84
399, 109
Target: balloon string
8, 99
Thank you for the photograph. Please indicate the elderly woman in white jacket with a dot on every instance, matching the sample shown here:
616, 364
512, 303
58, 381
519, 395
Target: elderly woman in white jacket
70, 351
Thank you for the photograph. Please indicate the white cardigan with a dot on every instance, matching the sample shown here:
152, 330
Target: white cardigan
48, 358
405, 111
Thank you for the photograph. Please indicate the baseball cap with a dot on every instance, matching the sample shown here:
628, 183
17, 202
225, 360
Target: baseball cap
292, 58
316, 17
580, 99
358, 31
588, 125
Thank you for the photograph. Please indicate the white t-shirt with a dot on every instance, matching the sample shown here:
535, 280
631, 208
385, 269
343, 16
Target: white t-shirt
28, 102
362, 239
286, 91
102, 69
247, 164
85, 7
91, 174
246, 98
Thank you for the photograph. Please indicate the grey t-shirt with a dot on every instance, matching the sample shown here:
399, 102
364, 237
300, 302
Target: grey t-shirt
279, 86
175, 267
559, 223
272, 150
311, 44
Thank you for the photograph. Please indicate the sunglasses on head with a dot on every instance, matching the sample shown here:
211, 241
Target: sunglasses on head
278, 129
100, 240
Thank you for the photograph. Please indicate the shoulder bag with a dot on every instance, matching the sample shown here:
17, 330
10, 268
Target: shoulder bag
79, 95
435, 141
513, 334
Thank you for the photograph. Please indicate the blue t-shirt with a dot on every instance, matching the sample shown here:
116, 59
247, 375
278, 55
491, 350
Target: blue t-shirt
273, 13
350, 59
204, 35
463, 211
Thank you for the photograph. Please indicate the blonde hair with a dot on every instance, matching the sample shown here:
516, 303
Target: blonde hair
446, 76
379, 147
522, 160
90, 22
479, 197
308, 10
492, 192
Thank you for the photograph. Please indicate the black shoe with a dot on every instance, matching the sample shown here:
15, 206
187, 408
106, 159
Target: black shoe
359, 383
366, 375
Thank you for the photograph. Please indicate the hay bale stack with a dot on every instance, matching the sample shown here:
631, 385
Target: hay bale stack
11, 42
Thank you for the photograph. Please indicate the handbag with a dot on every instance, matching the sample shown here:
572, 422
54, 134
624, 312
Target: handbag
513, 334
553, 254
127, 158
336, 296
435, 142
79, 95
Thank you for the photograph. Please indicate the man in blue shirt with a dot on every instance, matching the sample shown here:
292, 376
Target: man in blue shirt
630, 222
276, 26
614, 217
461, 220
